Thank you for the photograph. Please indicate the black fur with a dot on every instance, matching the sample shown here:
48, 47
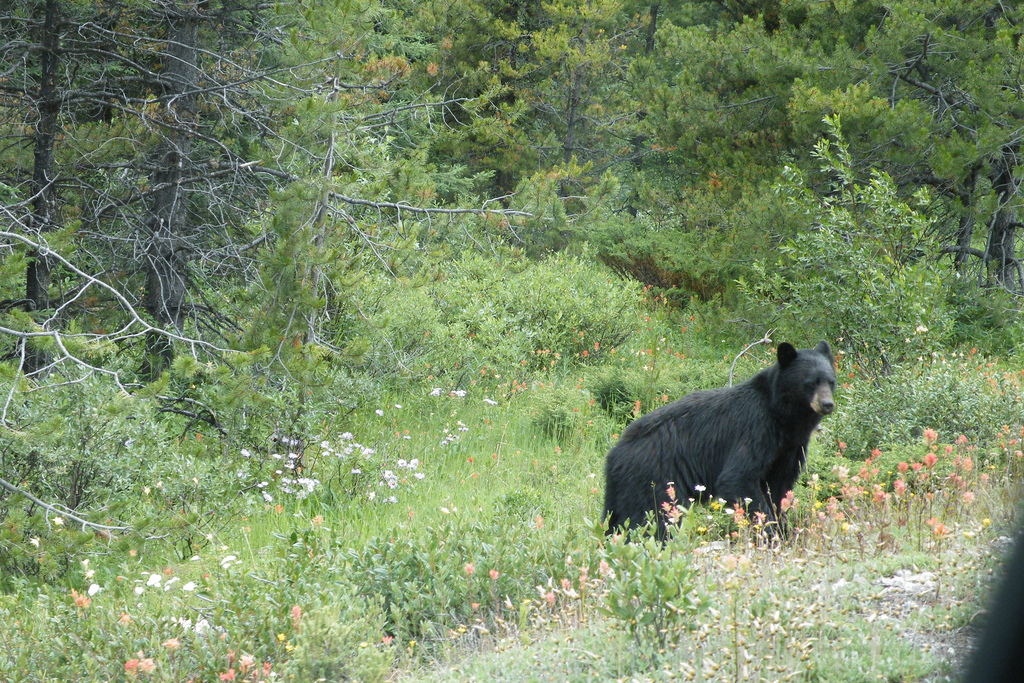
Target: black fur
746, 441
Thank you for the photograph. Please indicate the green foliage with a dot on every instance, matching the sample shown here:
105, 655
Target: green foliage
616, 390
656, 376
951, 395
83, 451
860, 274
465, 569
561, 412
626, 393
985, 319
652, 589
671, 261
482, 312
337, 642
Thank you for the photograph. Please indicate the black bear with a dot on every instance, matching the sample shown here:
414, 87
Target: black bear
735, 443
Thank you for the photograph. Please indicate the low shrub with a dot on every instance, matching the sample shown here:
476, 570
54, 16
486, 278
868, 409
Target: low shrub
959, 395
652, 588
500, 314
561, 412
333, 643
466, 574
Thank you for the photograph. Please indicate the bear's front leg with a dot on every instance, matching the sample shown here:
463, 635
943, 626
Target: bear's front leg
745, 490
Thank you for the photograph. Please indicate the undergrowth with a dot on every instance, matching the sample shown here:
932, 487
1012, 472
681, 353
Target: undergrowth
449, 527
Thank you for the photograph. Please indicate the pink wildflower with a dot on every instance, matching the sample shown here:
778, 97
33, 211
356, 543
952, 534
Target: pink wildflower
738, 515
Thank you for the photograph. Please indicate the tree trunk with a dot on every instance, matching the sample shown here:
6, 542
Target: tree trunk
167, 258
652, 28
965, 228
1000, 256
37, 276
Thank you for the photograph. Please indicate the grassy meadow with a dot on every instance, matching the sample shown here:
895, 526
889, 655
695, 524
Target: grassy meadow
446, 526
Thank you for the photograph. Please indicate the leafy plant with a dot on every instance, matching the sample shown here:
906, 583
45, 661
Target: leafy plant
339, 642
953, 395
861, 274
562, 411
652, 589
484, 312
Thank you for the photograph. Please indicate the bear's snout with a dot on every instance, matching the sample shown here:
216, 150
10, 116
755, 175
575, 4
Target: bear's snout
822, 402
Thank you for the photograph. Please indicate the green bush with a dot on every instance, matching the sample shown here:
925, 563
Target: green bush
560, 412
616, 390
464, 571
955, 396
504, 314
859, 274
82, 449
339, 642
652, 589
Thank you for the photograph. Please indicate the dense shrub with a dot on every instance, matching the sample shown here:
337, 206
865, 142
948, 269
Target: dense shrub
466, 571
80, 449
131, 461
563, 412
968, 396
333, 644
616, 390
505, 313
859, 274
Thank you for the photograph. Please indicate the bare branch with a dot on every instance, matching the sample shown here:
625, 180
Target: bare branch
402, 206
766, 339
54, 509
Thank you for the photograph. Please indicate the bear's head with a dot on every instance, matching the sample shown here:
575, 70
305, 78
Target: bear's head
808, 376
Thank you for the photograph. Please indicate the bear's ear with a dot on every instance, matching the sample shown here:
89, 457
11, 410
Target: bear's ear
787, 354
824, 349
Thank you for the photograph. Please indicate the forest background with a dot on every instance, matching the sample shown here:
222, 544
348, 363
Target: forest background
361, 293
